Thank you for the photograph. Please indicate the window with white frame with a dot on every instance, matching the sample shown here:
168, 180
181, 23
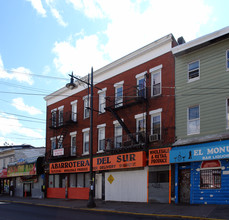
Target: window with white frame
193, 120
141, 85
227, 59
74, 111
86, 106
86, 140
155, 124
156, 80
61, 115
194, 71
102, 100
60, 141
118, 135
118, 94
140, 127
53, 143
73, 143
53, 115
101, 137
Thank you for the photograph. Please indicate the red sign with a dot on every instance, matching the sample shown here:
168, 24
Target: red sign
159, 156
58, 152
119, 161
3, 174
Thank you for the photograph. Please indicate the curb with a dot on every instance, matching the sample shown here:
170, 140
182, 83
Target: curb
112, 211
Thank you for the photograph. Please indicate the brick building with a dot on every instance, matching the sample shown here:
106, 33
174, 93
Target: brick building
134, 124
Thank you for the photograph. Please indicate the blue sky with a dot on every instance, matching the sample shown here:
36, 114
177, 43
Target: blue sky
42, 41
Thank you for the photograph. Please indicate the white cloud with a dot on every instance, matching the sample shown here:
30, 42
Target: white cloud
59, 18
79, 57
37, 5
19, 104
21, 74
10, 126
131, 25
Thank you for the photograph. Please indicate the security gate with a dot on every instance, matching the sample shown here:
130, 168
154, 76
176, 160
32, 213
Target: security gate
184, 186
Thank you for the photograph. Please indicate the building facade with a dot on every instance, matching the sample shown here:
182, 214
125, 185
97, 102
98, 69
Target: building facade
134, 119
200, 154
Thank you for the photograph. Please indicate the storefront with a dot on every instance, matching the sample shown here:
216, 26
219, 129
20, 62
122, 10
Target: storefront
116, 178
4, 182
159, 175
201, 173
26, 181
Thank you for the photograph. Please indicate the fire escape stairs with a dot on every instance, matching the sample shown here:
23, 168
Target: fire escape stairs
63, 135
114, 113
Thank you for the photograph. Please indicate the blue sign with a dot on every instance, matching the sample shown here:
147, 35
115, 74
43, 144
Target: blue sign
199, 152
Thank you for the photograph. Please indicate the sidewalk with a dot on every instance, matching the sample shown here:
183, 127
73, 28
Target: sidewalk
154, 209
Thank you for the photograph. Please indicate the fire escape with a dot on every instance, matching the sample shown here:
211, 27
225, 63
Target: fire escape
60, 123
125, 100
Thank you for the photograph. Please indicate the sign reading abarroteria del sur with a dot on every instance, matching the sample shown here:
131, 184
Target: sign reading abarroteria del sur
207, 151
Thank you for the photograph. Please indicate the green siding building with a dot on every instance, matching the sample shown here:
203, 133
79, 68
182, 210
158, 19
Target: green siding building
200, 155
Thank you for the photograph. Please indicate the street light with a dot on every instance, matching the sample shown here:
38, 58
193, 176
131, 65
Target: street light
72, 85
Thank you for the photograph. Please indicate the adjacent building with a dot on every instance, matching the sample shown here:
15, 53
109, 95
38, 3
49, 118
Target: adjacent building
134, 128
201, 152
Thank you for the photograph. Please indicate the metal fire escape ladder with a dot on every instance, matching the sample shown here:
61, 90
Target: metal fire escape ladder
114, 113
63, 135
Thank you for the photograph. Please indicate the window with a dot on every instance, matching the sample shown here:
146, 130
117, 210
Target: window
156, 80
86, 140
210, 175
118, 94
73, 143
74, 111
118, 136
227, 109
156, 124
53, 143
194, 120
61, 115
193, 71
102, 100
53, 115
60, 141
227, 59
101, 137
141, 85
86, 106
140, 127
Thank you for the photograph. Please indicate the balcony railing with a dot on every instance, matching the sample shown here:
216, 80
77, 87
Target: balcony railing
130, 96
65, 119
65, 151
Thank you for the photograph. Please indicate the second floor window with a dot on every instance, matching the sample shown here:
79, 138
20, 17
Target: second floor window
193, 71
86, 142
156, 126
73, 145
193, 120
101, 139
227, 59
118, 136
53, 143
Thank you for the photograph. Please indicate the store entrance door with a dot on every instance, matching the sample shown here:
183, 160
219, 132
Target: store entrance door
27, 189
184, 186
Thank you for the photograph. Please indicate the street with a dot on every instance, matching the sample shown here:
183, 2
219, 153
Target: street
12, 211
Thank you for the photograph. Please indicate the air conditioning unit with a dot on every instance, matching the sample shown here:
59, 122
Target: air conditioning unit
153, 137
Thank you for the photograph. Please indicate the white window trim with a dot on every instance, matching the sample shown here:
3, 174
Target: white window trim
54, 110
85, 130
73, 133
102, 90
196, 78
141, 115
99, 127
227, 59
140, 75
198, 132
61, 107
227, 119
153, 71
74, 102
119, 84
153, 114
116, 121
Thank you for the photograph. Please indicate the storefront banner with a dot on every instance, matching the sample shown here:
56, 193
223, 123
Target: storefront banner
159, 156
120, 161
22, 170
3, 173
199, 152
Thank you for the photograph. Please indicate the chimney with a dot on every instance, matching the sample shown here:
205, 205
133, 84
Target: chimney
181, 40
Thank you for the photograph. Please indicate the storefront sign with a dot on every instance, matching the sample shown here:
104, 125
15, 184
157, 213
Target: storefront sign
207, 151
3, 173
22, 170
58, 152
159, 156
120, 161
